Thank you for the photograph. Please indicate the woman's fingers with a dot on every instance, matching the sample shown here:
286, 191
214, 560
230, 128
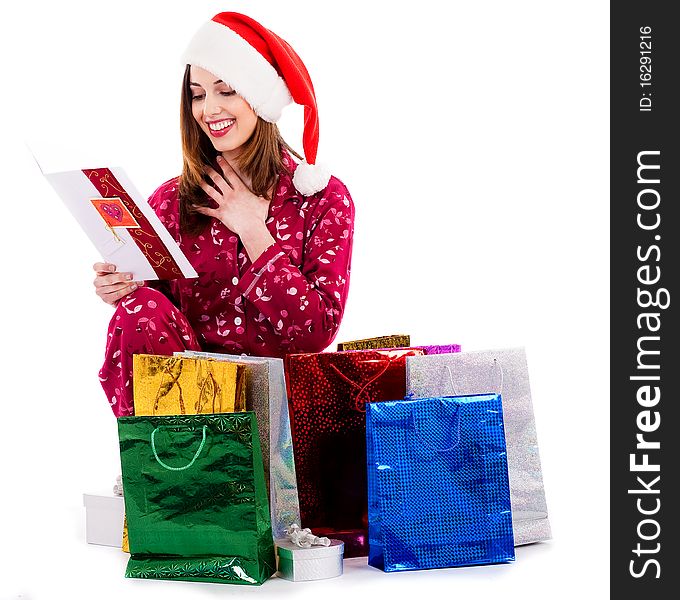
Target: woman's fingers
226, 183
222, 183
113, 293
229, 173
111, 286
204, 210
212, 193
104, 268
101, 281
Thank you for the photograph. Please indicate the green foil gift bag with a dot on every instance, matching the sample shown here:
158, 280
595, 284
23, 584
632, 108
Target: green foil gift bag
195, 498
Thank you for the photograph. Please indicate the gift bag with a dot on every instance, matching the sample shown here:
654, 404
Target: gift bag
504, 372
397, 340
172, 385
328, 393
440, 349
438, 492
265, 393
388, 342
195, 498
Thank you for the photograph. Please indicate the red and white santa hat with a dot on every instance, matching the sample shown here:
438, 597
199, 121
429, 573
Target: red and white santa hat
263, 69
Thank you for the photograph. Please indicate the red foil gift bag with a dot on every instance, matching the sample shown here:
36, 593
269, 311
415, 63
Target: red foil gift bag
327, 394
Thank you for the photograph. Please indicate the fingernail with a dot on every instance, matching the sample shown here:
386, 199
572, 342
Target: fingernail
133, 286
112, 268
128, 276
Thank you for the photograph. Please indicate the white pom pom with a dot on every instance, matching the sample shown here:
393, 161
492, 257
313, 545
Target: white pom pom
310, 179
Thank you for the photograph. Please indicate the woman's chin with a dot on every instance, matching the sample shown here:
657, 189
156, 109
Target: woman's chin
224, 146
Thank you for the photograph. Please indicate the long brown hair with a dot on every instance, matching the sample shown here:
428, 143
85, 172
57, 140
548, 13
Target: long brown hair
260, 160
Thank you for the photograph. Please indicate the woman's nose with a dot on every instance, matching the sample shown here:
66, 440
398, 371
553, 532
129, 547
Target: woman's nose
212, 105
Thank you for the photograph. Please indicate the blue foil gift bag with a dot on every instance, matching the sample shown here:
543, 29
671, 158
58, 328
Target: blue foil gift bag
438, 491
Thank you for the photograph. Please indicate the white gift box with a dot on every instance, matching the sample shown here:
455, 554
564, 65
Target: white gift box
307, 564
104, 519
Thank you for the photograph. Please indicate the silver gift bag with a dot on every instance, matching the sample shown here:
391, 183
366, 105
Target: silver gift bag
266, 395
502, 372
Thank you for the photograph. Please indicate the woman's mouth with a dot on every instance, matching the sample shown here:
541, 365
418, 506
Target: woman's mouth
220, 128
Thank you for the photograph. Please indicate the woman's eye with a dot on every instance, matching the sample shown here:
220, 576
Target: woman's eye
228, 93
197, 97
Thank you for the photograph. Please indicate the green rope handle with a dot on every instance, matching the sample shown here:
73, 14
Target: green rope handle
168, 467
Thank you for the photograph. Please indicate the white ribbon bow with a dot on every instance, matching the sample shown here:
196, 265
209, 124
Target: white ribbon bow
118, 487
304, 537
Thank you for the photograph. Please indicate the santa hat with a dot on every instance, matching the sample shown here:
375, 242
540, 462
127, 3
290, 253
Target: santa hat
263, 69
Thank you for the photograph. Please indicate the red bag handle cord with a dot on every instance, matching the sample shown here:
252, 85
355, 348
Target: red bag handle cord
358, 404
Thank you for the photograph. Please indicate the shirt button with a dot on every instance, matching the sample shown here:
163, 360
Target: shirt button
237, 321
234, 280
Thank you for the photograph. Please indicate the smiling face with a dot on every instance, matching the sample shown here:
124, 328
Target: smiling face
225, 117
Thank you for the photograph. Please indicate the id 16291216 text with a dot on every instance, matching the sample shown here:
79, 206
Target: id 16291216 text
646, 69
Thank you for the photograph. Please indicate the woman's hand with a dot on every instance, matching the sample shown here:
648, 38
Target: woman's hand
238, 208
112, 286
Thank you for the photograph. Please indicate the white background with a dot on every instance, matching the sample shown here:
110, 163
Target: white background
474, 140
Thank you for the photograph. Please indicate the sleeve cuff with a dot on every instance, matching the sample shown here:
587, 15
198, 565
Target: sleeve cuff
263, 263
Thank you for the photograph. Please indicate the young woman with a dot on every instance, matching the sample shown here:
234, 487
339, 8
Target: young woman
271, 239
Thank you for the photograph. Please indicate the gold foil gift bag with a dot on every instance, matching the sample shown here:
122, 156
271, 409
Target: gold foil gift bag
397, 340
177, 385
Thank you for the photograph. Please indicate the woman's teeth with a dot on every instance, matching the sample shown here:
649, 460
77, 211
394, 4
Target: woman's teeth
221, 125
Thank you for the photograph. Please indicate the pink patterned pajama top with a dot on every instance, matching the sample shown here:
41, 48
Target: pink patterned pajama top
291, 299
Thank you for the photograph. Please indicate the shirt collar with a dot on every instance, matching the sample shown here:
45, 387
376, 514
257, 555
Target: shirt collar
285, 190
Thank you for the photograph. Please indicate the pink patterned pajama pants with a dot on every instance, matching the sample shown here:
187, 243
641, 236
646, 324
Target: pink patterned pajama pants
145, 322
